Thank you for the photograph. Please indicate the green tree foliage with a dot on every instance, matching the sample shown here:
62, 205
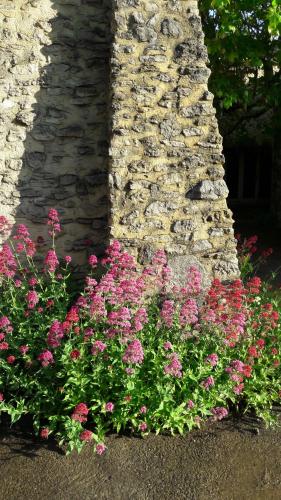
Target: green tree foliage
243, 40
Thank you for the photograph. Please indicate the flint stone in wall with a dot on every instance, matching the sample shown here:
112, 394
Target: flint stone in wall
171, 28
196, 75
183, 226
197, 110
160, 207
201, 246
141, 30
170, 128
191, 50
226, 268
208, 190
192, 132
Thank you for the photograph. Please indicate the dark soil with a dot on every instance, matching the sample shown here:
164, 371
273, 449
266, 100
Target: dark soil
230, 460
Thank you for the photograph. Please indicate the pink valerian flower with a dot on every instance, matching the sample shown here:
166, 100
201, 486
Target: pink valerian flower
67, 259
109, 407
167, 312
73, 315
89, 332
51, 261
23, 349
209, 316
238, 389
190, 404
86, 436
5, 323
208, 382
30, 247
55, 334
143, 410
167, 346
8, 264
90, 283
140, 318
5, 225
235, 377
127, 290
44, 433
4, 346
22, 232
237, 365
53, 221
80, 413
32, 281
32, 299
81, 408
212, 359
18, 283
134, 353
121, 319
1, 396
75, 354
194, 281
159, 258
219, 412
97, 307
129, 371
49, 303
97, 347
174, 367
11, 359
100, 448
46, 358
188, 313
93, 260
143, 427
2, 336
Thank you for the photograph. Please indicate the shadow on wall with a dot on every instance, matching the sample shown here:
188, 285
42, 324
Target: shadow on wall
65, 157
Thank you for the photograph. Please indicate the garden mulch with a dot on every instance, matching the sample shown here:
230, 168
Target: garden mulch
228, 460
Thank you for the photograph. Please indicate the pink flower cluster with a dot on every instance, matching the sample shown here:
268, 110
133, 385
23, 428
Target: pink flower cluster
46, 358
53, 222
55, 335
134, 353
208, 382
212, 359
174, 367
167, 312
219, 412
189, 313
97, 347
51, 261
32, 299
80, 413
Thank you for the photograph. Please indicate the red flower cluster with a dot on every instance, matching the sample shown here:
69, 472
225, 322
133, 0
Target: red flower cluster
80, 413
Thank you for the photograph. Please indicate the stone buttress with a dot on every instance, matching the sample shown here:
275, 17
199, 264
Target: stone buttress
166, 171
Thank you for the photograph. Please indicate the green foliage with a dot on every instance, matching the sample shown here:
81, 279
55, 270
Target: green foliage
243, 40
134, 353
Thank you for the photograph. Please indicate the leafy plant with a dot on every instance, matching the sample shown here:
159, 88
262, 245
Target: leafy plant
133, 352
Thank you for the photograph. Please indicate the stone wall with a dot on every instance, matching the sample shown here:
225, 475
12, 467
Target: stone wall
54, 90
166, 171
62, 103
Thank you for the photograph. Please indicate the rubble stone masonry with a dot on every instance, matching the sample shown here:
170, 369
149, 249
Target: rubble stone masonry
105, 115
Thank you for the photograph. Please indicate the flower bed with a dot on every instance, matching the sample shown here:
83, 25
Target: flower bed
131, 352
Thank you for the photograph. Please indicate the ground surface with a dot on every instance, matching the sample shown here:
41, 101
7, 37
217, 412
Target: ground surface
226, 461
